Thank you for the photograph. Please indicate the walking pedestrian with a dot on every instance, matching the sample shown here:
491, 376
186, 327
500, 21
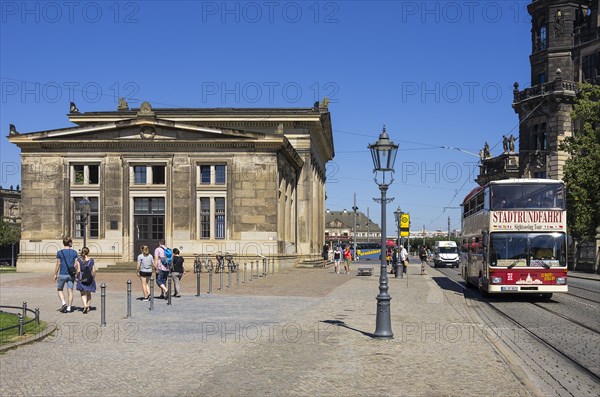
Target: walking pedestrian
403, 258
394, 261
86, 278
347, 259
161, 263
423, 257
144, 270
64, 272
337, 258
325, 255
177, 272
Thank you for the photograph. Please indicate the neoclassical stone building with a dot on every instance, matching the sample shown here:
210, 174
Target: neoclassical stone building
245, 181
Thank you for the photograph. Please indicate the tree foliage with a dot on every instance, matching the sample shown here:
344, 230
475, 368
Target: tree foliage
9, 233
582, 169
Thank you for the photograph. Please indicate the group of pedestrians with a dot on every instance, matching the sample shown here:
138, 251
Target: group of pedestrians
163, 262
78, 270
74, 270
338, 255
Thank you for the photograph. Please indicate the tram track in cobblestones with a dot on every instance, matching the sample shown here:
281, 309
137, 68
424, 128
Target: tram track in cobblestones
549, 345
587, 298
584, 289
570, 319
575, 375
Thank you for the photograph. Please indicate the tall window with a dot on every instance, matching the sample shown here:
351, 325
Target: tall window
543, 38
93, 222
85, 174
219, 217
543, 138
213, 217
205, 217
589, 67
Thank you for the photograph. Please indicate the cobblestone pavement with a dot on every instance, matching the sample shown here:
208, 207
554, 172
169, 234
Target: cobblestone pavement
299, 332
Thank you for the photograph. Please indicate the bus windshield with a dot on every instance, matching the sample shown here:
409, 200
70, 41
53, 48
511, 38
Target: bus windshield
527, 195
528, 249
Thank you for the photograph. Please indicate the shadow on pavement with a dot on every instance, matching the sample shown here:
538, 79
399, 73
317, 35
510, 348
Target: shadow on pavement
447, 284
344, 325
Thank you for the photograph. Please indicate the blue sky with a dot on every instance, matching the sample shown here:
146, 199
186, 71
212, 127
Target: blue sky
436, 73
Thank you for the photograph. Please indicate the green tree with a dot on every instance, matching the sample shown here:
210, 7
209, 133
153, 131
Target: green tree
581, 171
9, 233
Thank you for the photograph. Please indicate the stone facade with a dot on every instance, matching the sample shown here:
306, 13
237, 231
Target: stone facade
565, 52
245, 181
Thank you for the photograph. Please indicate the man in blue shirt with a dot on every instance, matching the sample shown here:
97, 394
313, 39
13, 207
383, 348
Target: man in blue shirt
65, 259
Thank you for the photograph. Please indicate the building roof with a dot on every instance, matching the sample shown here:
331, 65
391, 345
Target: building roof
346, 221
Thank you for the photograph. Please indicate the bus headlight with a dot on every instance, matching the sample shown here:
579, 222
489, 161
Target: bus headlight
561, 280
496, 280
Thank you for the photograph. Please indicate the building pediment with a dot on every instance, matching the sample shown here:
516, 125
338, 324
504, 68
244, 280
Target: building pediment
137, 129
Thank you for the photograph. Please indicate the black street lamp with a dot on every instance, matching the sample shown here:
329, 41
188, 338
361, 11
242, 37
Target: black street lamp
383, 153
83, 206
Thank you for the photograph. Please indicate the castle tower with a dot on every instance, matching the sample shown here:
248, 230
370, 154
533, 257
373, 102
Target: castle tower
565, 41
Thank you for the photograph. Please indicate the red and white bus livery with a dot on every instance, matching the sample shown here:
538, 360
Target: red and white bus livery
514, 237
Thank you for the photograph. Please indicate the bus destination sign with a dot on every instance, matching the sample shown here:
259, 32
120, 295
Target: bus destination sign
528, 220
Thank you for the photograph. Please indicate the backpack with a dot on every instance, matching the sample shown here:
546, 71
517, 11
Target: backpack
86, 274
168, 258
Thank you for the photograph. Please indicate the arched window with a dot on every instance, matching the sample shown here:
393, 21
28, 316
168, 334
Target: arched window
543, 37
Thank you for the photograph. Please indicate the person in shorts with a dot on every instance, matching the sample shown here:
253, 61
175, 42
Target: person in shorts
84, 288
65, 259
337, 257
144, 270
347, 259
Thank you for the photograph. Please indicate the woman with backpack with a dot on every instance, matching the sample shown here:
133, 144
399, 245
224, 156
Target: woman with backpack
86, 278
163, 258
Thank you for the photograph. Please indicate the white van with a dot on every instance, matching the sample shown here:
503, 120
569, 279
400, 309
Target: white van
445, 253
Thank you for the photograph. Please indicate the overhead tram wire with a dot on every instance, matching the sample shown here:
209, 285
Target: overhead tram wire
497, 143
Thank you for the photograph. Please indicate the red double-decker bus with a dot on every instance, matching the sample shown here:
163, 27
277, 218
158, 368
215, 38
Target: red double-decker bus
514, 237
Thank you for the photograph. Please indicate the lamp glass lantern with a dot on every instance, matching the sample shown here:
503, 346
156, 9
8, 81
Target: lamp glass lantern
383, 153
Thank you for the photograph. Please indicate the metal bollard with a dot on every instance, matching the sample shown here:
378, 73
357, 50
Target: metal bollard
220, 277
151, 293
229, 275
169, 281
264, 267
244, 272
210, 276
21, 330
272, 265
24, 309
128, 298
103, 305
251, 270
37, 316
237, 277
198, 282
257, 269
